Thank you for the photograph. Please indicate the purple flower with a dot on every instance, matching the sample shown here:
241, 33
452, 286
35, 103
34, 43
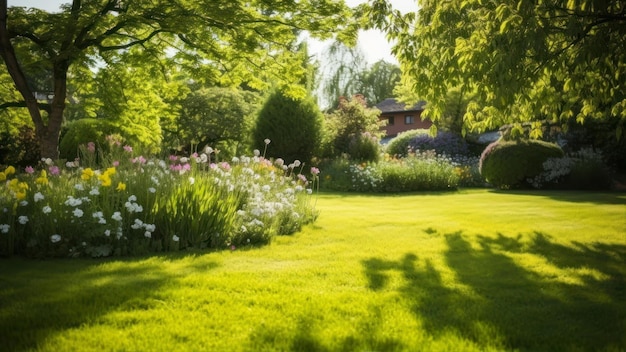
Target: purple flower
29, 170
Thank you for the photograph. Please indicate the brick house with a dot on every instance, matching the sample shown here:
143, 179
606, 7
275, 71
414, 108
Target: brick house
400, 118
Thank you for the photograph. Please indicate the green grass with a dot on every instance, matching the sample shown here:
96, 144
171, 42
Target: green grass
470, 271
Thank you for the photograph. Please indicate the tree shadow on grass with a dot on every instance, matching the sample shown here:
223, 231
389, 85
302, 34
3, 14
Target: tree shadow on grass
498, 300
41, 298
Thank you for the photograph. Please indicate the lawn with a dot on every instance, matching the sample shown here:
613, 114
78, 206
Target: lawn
476, 270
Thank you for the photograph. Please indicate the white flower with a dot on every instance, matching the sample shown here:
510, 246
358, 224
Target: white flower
78, 213
97, 214
47, 161
94, 191
55, 238
152, 190
79, 187
46, 209
4, 228
309, 191
73, 202
235, 159
107, 233
102, 221
175, 238
132, 198
148, 234
149, 227
117, 216
256, 152
22, 219
184, 160
267, 141
137, 225
297, 163
38, 196
192, 180
209, 151
23, 203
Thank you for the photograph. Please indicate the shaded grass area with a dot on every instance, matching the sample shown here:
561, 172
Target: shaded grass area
469, 271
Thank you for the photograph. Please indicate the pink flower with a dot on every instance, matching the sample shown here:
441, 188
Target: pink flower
173, 158
186, 167
128, 148
139, 160
54, 170
91, 146
116, 163
315, 171
225, 166
29, 170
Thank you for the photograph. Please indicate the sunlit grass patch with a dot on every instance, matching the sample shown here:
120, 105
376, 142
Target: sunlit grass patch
470, 271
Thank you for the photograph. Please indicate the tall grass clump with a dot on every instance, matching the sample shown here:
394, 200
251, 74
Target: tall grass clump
418, 172
119, 203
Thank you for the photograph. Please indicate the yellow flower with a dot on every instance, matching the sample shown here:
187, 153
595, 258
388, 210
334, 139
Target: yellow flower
105, 180
13, 185
41, 180
20, 195
3, 176
110, 171
87, 174
44, 173
120, 186
10, 170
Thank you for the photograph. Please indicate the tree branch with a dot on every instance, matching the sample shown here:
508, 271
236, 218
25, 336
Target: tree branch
22, 104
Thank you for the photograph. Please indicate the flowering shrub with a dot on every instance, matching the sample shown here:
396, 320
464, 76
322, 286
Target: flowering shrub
584, 169
132, 205
447, 143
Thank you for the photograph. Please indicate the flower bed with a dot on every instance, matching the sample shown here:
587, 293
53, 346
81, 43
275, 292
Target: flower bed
122, 204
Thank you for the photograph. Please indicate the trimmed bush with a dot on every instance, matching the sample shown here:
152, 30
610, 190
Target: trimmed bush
510, 164
294, 127
399, 146
364, 148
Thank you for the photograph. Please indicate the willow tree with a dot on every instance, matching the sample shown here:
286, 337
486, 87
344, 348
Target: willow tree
552, 60
233, 41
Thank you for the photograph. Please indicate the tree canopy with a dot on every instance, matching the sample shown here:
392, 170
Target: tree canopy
227, 42
552, 60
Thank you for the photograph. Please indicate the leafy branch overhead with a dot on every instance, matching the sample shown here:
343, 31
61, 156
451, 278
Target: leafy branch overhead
250, 42
522, 61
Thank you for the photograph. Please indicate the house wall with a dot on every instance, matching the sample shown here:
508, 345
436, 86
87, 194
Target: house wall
399, 124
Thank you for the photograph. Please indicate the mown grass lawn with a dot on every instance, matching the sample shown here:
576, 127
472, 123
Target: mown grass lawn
476, 270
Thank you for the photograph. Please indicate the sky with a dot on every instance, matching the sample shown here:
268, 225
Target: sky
371, 42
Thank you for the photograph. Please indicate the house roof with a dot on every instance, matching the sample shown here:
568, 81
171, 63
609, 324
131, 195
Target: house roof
392, 105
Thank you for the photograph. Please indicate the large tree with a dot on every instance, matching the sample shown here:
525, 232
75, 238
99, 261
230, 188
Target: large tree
553, 60
232, 41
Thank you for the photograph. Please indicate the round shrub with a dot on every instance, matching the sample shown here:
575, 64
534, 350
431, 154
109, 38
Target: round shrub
507, 164
83, 131
399, 146
364, 148
447, 143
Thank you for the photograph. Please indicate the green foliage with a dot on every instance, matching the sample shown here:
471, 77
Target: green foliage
524, 61
509, 164
216, 117
242, 42
399, 145
199, 212
351, 120
420, 172
83, 131
20, 149
364, 148
294, 128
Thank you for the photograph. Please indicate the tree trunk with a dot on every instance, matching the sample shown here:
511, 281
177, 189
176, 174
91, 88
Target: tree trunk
48, 135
